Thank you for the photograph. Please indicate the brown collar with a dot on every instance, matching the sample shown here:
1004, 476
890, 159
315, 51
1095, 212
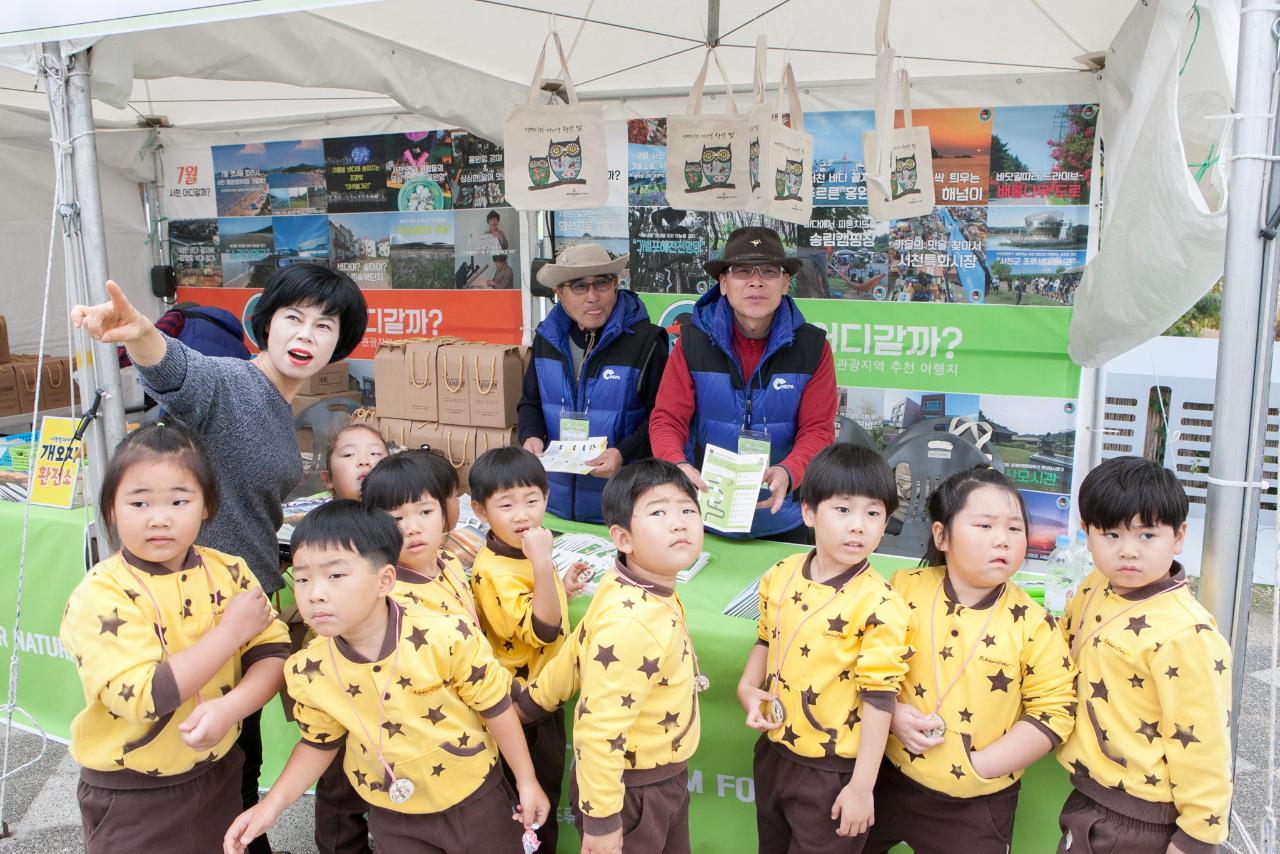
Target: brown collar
395, 617
500, 548
620, 567
981, 605
1177, 575
191, 561
835, 580
409, 576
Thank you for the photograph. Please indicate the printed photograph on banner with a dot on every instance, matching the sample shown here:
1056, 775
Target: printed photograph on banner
1050, 518
361, 247
668, 248
240, 179
939, 257
300, 238
421, 249
720, 224
246, 245
194, 253
486, 244
837, 155
961, 142
646, 162
846, 255
1042, 155
417, 166
593, 223
355, 174
1036, 255
1035, 438
296, 177
477, 173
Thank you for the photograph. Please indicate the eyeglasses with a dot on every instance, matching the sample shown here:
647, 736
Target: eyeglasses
599, 284
743, 272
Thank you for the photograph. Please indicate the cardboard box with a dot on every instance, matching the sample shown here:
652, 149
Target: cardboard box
9, 404
390, 379
453, 393
332, 377
496, 374
4, 340
303, 401
426, 434
56, 383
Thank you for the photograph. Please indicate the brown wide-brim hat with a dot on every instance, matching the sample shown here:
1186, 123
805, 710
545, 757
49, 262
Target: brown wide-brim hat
580, 261
752, 244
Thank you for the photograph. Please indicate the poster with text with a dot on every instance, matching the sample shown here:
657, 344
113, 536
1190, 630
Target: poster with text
838, 167
486, 249
355, 173
961, 142
240, 179
1042, 155
939, 257
477, 173
668, 248
361, 247
246, 244
300, 238
846, 255
194, 253
188, 191
647, 162
296, 177
418, 166
421, 252
1036, 254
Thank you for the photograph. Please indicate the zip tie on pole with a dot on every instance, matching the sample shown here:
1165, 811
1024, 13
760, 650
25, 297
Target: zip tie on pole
1243, 484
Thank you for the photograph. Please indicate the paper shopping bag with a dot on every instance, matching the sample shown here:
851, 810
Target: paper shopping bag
707, 155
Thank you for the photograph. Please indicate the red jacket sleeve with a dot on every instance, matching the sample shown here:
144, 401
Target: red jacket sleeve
673, 410
816, 420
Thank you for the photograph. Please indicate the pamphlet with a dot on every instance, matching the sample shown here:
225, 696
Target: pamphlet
571, 457
595, 556
734, 480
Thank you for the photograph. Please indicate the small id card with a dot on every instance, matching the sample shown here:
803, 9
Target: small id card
574, 426
754, 442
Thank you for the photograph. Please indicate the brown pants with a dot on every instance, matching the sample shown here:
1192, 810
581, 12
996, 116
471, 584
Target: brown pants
481, 824
341, 827
546, 749
1090, 828
933, 823
793, 806
655, 817
186, 818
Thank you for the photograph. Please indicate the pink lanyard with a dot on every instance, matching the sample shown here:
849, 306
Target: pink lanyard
1078, 642
933, 641
382, 712
781, 659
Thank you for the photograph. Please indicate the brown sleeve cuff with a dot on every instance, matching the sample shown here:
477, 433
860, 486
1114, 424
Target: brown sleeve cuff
262, 652
324, 745
164, 690
1054, 738
1191, 845
762, 642
601, 826
497, 708
530, 712
881, 700
545, 632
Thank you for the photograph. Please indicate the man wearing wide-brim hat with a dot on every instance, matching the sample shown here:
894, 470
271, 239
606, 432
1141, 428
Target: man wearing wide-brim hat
748, 370
596, 359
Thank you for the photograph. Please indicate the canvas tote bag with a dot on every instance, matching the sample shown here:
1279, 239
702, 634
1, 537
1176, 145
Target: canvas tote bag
780, 157
554, 154
707, 155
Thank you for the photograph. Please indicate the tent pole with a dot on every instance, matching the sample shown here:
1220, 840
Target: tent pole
713, 23
1243, 388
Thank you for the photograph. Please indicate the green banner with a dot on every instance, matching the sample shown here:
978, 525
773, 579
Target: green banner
935, 347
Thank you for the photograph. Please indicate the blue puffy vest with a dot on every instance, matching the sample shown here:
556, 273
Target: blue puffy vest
213, 331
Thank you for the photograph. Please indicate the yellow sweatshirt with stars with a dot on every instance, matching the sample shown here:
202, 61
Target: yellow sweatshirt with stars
127, 736
502, 581
838, 644
637, 717
1017, 669
1152, 737
446, 592
440, 681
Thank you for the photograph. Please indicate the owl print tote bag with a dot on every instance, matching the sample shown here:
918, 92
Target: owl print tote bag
780, 158
707, 155
554, 154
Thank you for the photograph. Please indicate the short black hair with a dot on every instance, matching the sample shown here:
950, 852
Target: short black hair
630, 483
493, 215
946, 502
843, 468
405, 477
311, 283
346, 524
504, 468
164, 439
502, 258
1123, 487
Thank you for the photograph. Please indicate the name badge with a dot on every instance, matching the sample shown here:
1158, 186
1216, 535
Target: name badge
574, 426
754, 442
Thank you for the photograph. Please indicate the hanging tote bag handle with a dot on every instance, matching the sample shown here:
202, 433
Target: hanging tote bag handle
883, 155
695, 94
536, 85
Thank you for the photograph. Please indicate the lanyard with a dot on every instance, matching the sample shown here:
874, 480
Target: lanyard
1078, 643
781, 659
933, 642
382, 711
451, 584
700, 682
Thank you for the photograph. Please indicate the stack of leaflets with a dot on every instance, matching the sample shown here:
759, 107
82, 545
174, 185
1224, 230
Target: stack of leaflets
596, 555
746, 604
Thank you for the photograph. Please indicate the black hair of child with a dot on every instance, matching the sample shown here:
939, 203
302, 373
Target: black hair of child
1124, 487
308, 283
631, 482
333, 445
405, 477
155, 441
950, 497
505, 468
346, 524
846, 469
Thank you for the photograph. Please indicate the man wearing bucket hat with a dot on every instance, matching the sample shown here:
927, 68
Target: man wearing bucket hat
597, 362
746, 371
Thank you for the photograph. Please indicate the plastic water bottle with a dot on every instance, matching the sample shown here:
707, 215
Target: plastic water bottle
1082, 558
1059, 577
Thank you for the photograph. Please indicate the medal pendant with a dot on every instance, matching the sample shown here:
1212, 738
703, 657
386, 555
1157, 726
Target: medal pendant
701, 683
939, 728
530, 842
777, 711
400, 790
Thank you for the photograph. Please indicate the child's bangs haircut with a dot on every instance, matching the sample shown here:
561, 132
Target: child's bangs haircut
630, 484
846, 469
946, 502
1124, 487
346, 524
152, 443
405, 477
308, 283
350, 428
505, 468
